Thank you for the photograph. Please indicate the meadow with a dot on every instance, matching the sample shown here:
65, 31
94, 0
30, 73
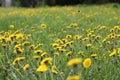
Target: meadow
79, 42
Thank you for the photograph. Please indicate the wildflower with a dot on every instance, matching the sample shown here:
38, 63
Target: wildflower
8, 39
43, 26
81, 53
87, 63
11, 26
73, 24
36, 57
56, 53
62, 50
26, 67
68, 36
4, 45
58, 48
69, 53
43, 54
38, 51
18, 59
113, 53
68, 27
26, 43
42, 68
74, 62
94, 56
19, 50
31, 47
19, 36
118, 50
17, 46
85, 39
54, 70
97, 37
64, 40
88, 45
76, 37
47, 60
38, 46
73, 77
55, 45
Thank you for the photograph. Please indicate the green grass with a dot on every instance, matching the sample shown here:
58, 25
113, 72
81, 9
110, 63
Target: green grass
87, 22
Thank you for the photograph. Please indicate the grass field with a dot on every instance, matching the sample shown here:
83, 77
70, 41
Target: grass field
60, 43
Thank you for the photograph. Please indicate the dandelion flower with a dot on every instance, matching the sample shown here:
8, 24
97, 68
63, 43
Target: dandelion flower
38, 51
18, 59
73, 77
26, 67
87, 63
74, 62
36, 57
11, 26
43, 54
56, 53
68, 36
113, 53
43, 26
42, 68
94, 56
47, 60
54, 70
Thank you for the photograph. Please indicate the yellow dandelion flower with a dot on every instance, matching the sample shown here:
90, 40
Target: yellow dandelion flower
64, 40
18, 59
68, 36
73, 77
26, 43
68, 27
37, 46
4, 45
113, 53
74, 62
88, 45
54, 70
55, 45
43, 26
42, 68
17, 46
94, 56
69, 53
26, 67
56, 53
73, 24
76, 37
43, 54
31, 47
118, 50
81, 53
18, 50
84, 39
47, 60
38, 51
8, 39
19, 36
87, 63
97, 37
12, 26
36, 57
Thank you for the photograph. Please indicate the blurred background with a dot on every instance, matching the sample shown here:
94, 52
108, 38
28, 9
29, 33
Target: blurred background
37, 3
